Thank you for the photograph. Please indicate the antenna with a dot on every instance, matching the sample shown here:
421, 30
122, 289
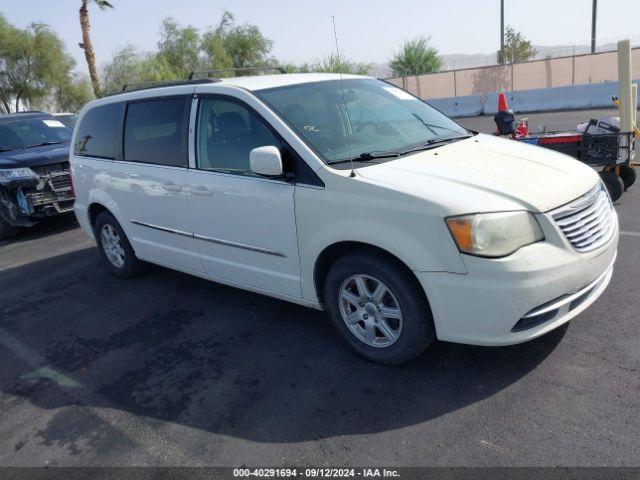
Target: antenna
346, 110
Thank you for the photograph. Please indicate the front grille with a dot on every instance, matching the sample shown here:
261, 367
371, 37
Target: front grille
589, 221
56, 175
60, 181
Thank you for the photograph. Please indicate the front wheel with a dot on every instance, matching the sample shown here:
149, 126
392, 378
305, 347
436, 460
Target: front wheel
614, 184
378, 308
628, 176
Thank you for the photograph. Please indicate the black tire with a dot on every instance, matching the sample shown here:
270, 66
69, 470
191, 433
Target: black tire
417, 331
614, 184
131, 265
7, 230
628, 176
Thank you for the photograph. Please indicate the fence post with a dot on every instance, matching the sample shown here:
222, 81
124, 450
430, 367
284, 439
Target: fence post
455, 84
512, 86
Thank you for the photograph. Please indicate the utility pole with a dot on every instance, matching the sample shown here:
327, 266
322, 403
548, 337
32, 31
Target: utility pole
593, 26
501, 54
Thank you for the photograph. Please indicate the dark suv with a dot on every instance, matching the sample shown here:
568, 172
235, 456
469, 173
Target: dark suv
34, 170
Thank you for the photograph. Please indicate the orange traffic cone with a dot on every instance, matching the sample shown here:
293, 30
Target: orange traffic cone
502, 102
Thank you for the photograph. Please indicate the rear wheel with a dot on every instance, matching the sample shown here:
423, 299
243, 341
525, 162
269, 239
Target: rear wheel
378, 308
614, 184
7, 230
115, 248
628, 176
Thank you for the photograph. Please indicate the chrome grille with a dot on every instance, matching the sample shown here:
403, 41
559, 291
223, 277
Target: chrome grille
589, 221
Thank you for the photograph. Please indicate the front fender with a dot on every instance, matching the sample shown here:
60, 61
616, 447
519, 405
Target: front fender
397, 224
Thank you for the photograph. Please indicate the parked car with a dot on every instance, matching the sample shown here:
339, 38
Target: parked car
69, 119
347, 195
34, 170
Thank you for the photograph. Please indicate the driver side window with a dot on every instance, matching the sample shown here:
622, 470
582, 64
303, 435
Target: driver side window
227, 132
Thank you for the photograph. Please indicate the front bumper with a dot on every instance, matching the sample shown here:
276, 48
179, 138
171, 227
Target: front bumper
547, 283
22, 201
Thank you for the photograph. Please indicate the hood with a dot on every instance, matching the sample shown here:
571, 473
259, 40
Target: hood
518, 173
32, 157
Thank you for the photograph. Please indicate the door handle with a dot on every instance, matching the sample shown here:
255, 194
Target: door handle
171, 187
200, 190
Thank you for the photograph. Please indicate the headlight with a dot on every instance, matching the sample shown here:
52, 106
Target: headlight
494, 234
17, 173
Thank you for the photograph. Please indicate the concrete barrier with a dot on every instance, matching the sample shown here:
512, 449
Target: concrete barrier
468, 106
576, 97
597, 95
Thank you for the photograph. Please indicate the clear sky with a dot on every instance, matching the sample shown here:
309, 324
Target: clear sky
368, 30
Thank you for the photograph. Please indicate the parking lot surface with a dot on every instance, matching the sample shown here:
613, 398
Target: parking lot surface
168, 369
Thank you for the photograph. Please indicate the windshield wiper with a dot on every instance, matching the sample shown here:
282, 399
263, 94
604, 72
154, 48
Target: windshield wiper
434, 142
365, 157
431, 126
42, 144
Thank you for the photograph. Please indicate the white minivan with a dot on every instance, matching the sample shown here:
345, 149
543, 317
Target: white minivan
348, 195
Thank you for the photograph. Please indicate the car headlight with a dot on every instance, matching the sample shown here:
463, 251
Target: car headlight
17, 173
494, 234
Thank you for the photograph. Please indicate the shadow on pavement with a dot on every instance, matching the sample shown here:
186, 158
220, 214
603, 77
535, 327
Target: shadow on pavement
45, 227
176, 348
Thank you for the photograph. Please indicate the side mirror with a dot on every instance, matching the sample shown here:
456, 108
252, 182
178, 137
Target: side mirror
266, 161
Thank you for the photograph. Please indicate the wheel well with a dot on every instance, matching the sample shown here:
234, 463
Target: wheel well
95, 209
333, 252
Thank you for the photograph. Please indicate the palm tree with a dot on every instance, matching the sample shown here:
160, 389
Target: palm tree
86, 44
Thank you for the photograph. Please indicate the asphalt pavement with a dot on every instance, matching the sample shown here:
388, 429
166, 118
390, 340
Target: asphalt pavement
168, 369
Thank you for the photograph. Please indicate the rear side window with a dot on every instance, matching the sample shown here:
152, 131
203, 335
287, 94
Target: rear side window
97, 131
155, 131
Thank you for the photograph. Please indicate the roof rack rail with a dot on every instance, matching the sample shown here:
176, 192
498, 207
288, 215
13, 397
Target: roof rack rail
30, 111
244, 69
132, 87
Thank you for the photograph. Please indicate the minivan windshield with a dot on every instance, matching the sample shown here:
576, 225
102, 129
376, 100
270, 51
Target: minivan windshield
32, 132
360, 119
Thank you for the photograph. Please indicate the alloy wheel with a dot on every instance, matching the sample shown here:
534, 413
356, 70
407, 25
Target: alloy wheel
112, 245
370, 311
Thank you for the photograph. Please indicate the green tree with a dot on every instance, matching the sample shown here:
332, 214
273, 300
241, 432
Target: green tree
72, 94
235, 46
516, 47
182, 50
179, 47
122, 69
330, 64
68, 96
416, 58
130, 67
33, 63
86, 44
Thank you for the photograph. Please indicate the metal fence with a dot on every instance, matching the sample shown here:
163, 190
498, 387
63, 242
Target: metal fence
551, 72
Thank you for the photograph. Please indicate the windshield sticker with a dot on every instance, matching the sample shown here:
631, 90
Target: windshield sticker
401, 94
53, 123
311, 128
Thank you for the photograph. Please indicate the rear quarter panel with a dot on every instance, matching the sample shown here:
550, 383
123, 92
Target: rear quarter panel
91, 183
